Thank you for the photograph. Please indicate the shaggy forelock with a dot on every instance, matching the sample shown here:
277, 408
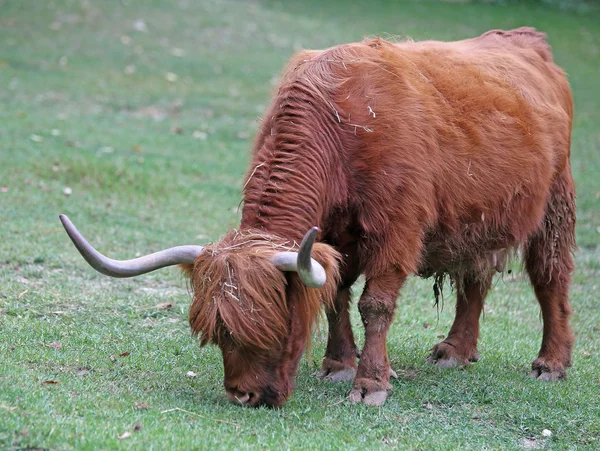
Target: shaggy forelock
240, 296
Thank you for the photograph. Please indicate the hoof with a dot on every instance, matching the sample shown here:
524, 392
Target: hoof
343, 375
545, 371
451, 362
553, 376
355, 396
369, 392
376, 398
444, 355
336, 371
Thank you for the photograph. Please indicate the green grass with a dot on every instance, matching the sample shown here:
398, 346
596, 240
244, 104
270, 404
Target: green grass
72, 117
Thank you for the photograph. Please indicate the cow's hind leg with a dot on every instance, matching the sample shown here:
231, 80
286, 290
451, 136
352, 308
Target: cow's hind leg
460, 346
339, 363
376, 306
549, 263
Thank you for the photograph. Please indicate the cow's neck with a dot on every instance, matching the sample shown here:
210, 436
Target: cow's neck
296, 172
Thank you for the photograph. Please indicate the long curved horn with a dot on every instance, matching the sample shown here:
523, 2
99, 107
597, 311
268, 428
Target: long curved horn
310, 271
129, 268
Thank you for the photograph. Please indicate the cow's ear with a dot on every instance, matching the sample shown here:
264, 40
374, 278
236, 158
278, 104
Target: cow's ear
187, 269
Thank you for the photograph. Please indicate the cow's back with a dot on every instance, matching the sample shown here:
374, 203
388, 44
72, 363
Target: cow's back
430, 148
458, 141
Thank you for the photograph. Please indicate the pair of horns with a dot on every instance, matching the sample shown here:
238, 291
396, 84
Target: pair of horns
311, 272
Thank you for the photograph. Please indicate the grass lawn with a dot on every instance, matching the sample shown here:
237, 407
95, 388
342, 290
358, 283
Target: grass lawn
135, 118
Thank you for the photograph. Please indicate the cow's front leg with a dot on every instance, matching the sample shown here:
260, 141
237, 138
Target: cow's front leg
376, 306
339, 364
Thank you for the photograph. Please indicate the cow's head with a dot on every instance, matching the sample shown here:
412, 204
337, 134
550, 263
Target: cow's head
256, 296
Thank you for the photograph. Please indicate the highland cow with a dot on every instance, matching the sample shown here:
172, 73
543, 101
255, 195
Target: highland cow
429, 158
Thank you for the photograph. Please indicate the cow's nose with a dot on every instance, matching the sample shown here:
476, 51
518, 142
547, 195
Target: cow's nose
240, 397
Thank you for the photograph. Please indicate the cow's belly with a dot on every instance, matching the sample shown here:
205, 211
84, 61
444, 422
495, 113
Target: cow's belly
465, 253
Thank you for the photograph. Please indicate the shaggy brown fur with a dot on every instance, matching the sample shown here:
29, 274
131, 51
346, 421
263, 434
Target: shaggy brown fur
414, 157
238, 292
